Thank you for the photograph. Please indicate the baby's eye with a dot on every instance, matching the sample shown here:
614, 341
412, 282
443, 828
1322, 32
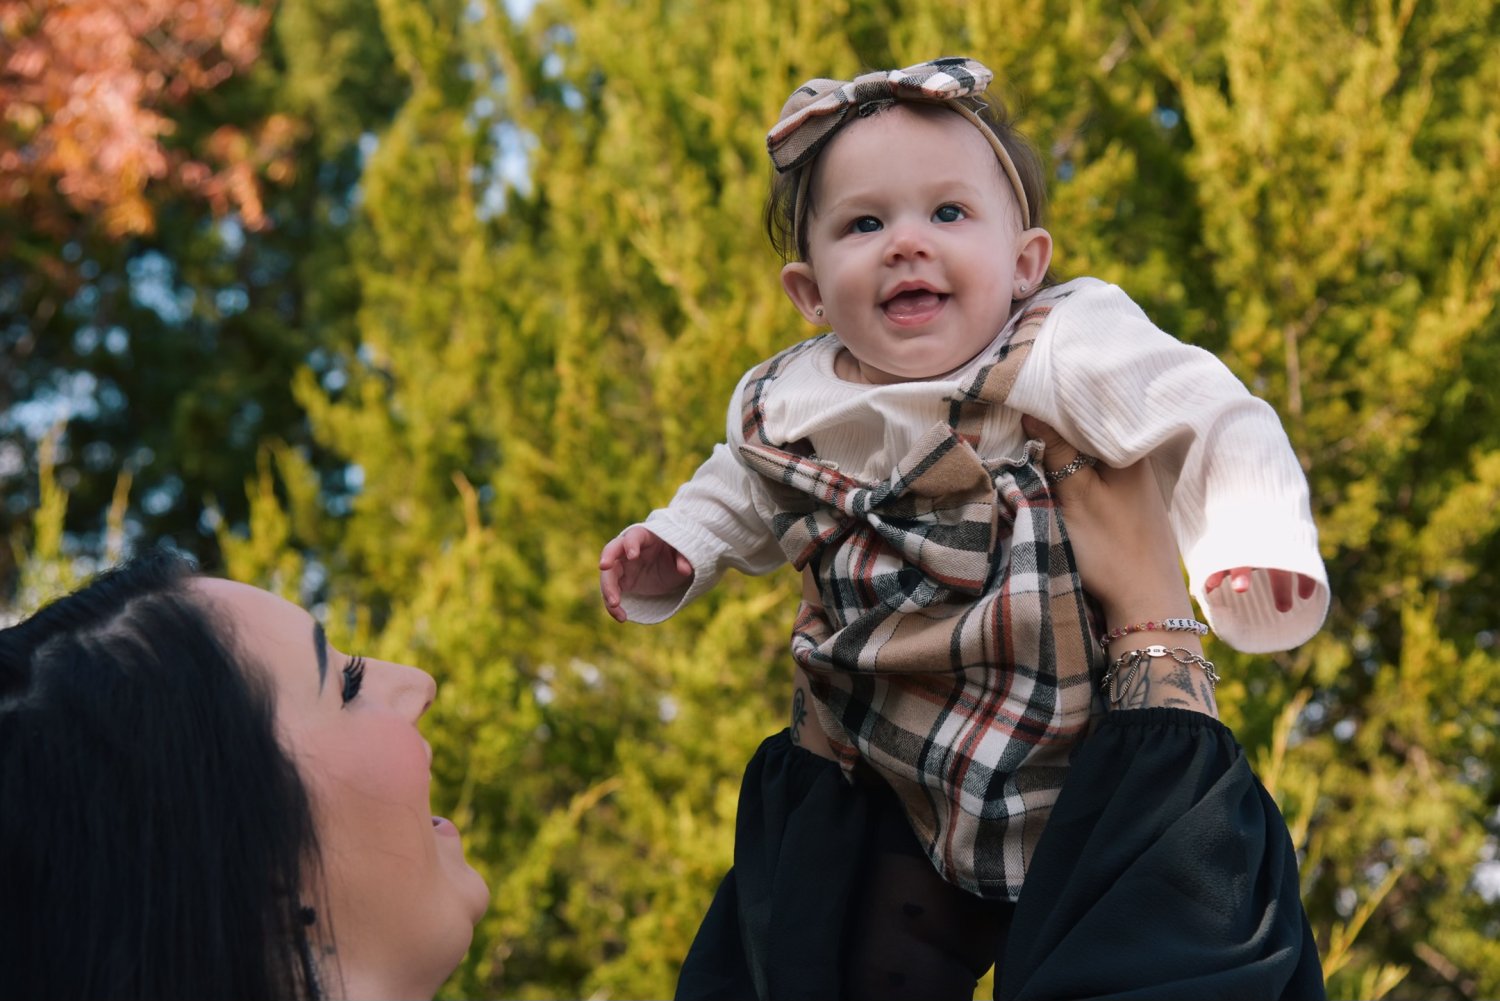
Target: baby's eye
865, 224
948, 213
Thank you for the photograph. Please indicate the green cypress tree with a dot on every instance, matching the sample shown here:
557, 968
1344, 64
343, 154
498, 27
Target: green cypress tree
1301, 186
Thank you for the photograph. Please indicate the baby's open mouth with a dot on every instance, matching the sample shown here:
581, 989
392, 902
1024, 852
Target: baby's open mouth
913, 302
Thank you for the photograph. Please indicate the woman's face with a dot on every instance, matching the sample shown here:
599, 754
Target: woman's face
403, 900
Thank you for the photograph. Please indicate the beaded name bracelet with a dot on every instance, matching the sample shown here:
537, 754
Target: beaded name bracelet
1163, 626
1130, 663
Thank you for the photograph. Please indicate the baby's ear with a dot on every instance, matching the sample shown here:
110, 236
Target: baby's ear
1033, 256
802, 288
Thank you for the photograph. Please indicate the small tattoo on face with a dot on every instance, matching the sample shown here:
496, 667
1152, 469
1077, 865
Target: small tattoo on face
799, 715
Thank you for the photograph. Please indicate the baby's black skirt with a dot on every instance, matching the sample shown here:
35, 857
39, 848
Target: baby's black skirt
1166, 871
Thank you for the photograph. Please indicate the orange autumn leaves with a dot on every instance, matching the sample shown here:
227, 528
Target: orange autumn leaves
88, 91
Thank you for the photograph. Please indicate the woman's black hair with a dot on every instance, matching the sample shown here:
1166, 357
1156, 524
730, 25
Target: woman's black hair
155, 839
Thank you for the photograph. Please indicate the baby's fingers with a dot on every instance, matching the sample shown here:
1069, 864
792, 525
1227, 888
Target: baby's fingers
1281, 589
609, 590
1239, 580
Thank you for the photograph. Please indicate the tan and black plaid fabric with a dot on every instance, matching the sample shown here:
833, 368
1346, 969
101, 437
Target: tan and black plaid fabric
818, 108
943, 626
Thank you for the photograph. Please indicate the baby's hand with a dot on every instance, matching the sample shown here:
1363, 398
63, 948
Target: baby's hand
1281, 584
639, 562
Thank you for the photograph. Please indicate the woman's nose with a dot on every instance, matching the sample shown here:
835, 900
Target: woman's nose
412, 689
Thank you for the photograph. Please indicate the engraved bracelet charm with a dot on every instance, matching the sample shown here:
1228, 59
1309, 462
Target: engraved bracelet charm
1122, 674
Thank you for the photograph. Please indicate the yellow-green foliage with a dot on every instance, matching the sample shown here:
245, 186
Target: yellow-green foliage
1306, 187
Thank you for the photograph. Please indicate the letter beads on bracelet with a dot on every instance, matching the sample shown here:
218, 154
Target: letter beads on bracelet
1164, 626
1130, 663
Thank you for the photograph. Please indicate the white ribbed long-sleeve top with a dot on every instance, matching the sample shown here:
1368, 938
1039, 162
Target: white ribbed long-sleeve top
1112, 384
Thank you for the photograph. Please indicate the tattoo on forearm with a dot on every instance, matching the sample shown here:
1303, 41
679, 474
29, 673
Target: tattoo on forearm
1180, 678
1146, 683
799, 715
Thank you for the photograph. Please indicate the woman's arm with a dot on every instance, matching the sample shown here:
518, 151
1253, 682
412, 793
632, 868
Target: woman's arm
1117, 524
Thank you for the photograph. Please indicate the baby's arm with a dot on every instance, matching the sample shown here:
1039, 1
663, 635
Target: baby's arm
1111, 381
716, 521
639, 562
719, 519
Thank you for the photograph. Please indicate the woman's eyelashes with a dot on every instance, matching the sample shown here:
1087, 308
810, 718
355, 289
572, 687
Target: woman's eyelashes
354, 677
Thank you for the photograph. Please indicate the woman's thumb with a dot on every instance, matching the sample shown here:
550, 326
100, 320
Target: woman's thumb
1037, 428
1059, 452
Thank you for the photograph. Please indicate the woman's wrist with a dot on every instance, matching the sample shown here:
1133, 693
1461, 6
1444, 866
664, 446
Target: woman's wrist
1153, 637
1148, 605
1174, 679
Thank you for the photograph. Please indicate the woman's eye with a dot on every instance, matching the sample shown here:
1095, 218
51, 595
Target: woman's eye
948, 213
354, 676
865, 224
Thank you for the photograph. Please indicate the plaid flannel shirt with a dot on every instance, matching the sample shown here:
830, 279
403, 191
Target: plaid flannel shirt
944, 629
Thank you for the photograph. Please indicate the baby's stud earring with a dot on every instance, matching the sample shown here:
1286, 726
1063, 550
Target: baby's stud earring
818, 312
1024, 288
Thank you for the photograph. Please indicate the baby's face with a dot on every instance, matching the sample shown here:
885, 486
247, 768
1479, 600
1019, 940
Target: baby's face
915, 250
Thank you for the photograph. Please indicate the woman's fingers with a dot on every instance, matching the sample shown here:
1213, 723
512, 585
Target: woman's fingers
1059, 452
1061, 457
1070, 472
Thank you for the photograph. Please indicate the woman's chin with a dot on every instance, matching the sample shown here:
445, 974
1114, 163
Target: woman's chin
472, 888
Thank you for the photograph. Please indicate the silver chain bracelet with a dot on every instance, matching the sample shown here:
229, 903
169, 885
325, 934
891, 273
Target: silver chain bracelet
1130, 663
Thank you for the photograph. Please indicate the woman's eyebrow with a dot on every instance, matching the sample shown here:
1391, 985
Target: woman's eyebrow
320, 647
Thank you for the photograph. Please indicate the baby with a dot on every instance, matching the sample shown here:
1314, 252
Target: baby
944, 636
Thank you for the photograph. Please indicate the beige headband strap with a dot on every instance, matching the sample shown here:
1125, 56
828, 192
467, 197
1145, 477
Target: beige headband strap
819, 108
1005, 161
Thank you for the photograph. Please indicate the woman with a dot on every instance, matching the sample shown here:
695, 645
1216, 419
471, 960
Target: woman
1166, 870
199, 797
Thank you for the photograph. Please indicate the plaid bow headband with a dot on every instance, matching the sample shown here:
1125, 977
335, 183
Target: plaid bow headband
819, 108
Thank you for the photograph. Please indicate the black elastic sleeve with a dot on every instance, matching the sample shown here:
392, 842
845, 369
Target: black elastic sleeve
1165, 872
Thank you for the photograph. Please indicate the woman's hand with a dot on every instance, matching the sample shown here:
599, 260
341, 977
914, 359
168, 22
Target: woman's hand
1117, 524
1116, 521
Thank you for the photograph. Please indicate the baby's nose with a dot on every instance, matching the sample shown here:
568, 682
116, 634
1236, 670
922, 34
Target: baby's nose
907, 240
